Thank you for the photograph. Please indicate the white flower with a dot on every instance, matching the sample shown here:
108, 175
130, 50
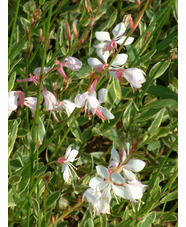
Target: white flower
118, 38
72, 63
135, 77
134, 165
100, 205
112, 182
134, 190
38, 70
67, 163
12, 101
67, 105
119, 60
31, 102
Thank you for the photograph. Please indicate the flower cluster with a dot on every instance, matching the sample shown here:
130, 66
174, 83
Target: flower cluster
118, 179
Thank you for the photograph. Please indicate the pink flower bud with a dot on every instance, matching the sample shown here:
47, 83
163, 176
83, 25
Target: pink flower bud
61, 160
75, 30
68, 31
131, 22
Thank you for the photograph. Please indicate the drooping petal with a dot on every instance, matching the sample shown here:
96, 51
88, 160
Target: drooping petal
119, 191
72, 63
72, 155
102, 95
31, 102
135, 165
115, 155
128, 41
102, 171
12, 101
38, 70
97, 183
103, 54
120, 60
102, 36
118, 30
67, 173
106, 113
80, 99
94, 62
129, 175
117, 178
93, 103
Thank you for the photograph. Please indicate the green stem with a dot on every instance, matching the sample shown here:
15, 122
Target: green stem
13, 27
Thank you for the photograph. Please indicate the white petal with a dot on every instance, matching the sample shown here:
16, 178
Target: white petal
90, 195
102, 171
12, 101
97, 183
128, 147
73, 63
129, 175
120, 60
106, 113
72, 155
103, 54
128, 41
115, 155
118, 30
119, 191
68, 150
94, 62
69, 106
67, 173
117, 178
102, 36
124, 155
102, 94
101, 45
80, 99
135, 165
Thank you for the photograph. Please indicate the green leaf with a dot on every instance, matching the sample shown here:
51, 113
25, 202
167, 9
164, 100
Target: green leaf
89, 223
52, 199
29, 7
162, 91
171, 196
117, 88
127, 115
158, 69
11, 202
41, 131
83, 72
167, 42
154, 146
175, 10
12, 137
148, 220
15, 179
11, 81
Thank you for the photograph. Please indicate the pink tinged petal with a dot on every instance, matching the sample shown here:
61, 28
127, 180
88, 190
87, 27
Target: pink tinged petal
102, 36
117, 178
99, 114
127, 42
103, 54
119, 191
80, 99
129, 175
119, 75
21, 98
115, 155
94, 62
68, 150
106, 113
31, 102
102, 95
72, 155
101, 68
120, 60
97, 183
61, 160
93, 86
54, 114
101, 45
118, 30
62, 72
113, 164
135, 165
72, 63
38, 70
102, 171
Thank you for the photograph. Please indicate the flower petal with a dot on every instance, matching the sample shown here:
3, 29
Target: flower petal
102, 171
80, 99
68, 150
94, 62
118, 30
101, 45
102, 36
72, 155
120, 60
67, 173
97, 183
117, 178
128, 41
102, 94
115, 155
103, 54
135, 165
124, 155
119, 191
106, 113
129, 175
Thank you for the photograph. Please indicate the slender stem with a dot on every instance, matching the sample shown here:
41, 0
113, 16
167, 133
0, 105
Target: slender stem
59, 8
13, 27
